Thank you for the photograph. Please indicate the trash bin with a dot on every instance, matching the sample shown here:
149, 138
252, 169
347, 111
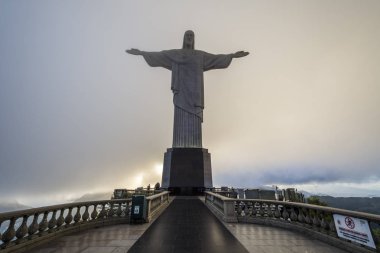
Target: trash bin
138, 210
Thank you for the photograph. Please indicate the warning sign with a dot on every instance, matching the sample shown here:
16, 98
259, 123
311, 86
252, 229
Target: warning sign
354, 229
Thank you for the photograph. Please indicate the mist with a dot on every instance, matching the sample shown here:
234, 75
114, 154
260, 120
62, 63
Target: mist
79, 115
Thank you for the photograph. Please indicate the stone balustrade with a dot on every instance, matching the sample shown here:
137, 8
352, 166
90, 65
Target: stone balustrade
316, 221
155, 203
28, 228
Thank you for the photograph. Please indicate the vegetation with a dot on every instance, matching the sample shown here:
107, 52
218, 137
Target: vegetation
376, 235
314, 200
361, 204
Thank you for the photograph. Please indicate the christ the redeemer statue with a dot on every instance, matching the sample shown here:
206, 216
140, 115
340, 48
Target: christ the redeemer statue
187, 66
187, 166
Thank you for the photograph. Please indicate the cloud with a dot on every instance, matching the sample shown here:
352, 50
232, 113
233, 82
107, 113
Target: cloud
77, 114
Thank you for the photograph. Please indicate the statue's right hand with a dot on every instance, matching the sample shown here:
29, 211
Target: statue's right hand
134, 51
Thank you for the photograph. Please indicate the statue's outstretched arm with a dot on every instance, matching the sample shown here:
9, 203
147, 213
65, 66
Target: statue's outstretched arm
134, 51
154, 59
240, 54
220, 61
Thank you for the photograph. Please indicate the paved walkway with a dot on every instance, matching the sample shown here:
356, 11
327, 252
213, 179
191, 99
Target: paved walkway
264, 239
110, 239
187, 226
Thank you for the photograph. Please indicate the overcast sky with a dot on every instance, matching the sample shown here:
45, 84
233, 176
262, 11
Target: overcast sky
79, 115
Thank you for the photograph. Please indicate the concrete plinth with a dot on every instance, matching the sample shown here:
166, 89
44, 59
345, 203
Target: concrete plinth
187, 171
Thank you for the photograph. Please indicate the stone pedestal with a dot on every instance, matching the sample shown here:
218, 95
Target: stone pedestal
187, 171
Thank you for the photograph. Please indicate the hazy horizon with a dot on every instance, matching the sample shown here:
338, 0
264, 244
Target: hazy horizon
79, 115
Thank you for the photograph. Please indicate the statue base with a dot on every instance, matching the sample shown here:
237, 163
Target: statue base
187, 171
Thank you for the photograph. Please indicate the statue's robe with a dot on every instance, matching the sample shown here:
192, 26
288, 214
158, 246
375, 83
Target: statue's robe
187, 66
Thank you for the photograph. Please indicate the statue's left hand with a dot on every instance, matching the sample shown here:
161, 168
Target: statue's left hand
240, 54
134, 51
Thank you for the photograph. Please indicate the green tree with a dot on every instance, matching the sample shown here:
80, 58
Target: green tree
314, 200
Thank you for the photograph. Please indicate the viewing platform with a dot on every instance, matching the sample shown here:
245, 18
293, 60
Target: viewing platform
187, 226
210, 223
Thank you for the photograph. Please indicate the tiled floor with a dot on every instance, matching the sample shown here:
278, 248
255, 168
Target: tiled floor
118, 238
265, 239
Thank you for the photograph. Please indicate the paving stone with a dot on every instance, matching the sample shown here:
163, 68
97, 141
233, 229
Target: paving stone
121, 250
187, 226
68, 250
99, 250
121, 243
260, 238
45, 250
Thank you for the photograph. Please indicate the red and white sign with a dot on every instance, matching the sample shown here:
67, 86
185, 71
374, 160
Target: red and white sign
354, 229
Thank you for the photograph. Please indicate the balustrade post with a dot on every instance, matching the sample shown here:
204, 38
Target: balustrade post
69, 217
119, 211
94, 213
246, 207
261, 209
53, 221
23, 229
60, 220
269, 211
277, 213
285, 214
111, 212
251, 211
300, 217
43, 224
103, 212
128, 207
148, 207
77, 215
33, 228
229, 211
10, 233
308, 218
332, 230
316, 221
239, 210
324, 224
86, 214
293, 215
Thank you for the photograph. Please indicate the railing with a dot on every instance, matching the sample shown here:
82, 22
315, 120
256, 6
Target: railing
128, 193
316, 221
155, 203
28, 228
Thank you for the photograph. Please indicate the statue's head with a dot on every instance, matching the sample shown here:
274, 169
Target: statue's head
188, 40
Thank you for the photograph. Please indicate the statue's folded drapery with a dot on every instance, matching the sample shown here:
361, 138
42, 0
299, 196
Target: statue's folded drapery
187, 68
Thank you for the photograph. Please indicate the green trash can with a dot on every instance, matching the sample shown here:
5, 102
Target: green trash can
138, 209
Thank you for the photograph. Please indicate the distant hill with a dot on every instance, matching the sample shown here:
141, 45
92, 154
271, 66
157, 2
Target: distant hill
94, 196
12, 206
361, 204
309, 194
